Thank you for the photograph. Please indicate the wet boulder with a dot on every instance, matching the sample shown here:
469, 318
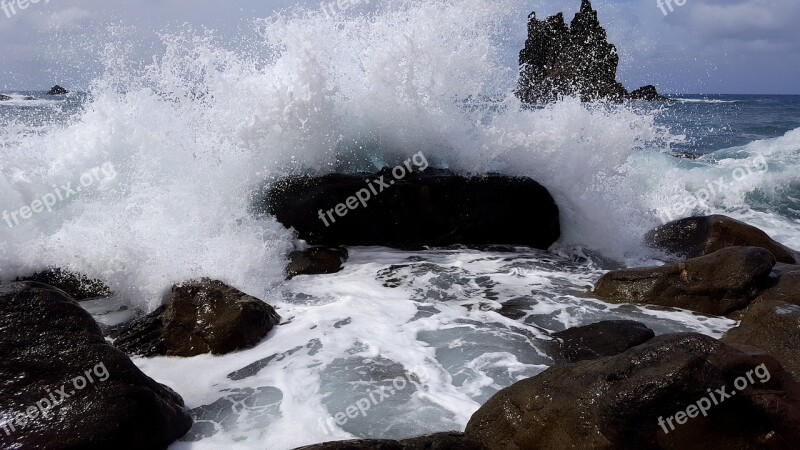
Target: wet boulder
78, 286
64, 387
438, 441
4, 98
717, 284
653, 396
786, 289
699, 236
316, 261
647, 93
202, 316
600, 339
772, 326
430, 208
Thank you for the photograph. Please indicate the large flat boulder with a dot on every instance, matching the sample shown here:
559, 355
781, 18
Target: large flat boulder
654, 396
201, 316
717, 284
699, 236
62, 386
606, 338
438, 441
772, 326
430, 208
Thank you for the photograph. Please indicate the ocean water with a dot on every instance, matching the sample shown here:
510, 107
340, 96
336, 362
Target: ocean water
171, 157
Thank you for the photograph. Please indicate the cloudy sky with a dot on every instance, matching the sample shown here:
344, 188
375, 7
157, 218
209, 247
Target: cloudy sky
703, 46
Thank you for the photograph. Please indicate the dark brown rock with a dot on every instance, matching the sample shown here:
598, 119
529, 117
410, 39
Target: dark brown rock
438, 441
80, 287
698, 236
787, 289
600, 339
316, 261
716, 284
200, 317
616, 402
433, 208
774, 327
47, 341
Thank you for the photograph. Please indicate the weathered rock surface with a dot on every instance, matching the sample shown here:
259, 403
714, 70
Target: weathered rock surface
774, 327
78, 286
786, 290
575, 60
600, 339
438, 441
199, 317
616, 402
316, 261
49, 344
433, 208
57, 90
698, 236
716, 284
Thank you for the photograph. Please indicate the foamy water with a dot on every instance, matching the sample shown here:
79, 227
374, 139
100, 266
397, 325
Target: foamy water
195, 135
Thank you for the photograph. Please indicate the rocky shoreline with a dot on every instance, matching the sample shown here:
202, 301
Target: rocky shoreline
611, 386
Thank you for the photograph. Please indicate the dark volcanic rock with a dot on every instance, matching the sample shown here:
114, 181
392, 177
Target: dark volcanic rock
600, 339
316, 261
57, 90
433, 208
80, 287
616, 402
438, 441
715, 284
49, 344
200, 317
647, 93
575, 60
698, 236
4, 98
772, 326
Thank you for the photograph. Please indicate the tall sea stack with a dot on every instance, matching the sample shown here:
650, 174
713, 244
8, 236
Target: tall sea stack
575, 60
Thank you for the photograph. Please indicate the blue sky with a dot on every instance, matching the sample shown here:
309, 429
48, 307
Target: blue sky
703, 46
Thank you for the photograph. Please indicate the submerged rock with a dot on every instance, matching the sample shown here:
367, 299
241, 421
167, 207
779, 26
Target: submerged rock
438, 441
78, 286
716, 284
600, 339
772, 326
433, 208
640, 399
100, 399
4, 98
699, 236
57, 90
575, 60
316, 261
203, 316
